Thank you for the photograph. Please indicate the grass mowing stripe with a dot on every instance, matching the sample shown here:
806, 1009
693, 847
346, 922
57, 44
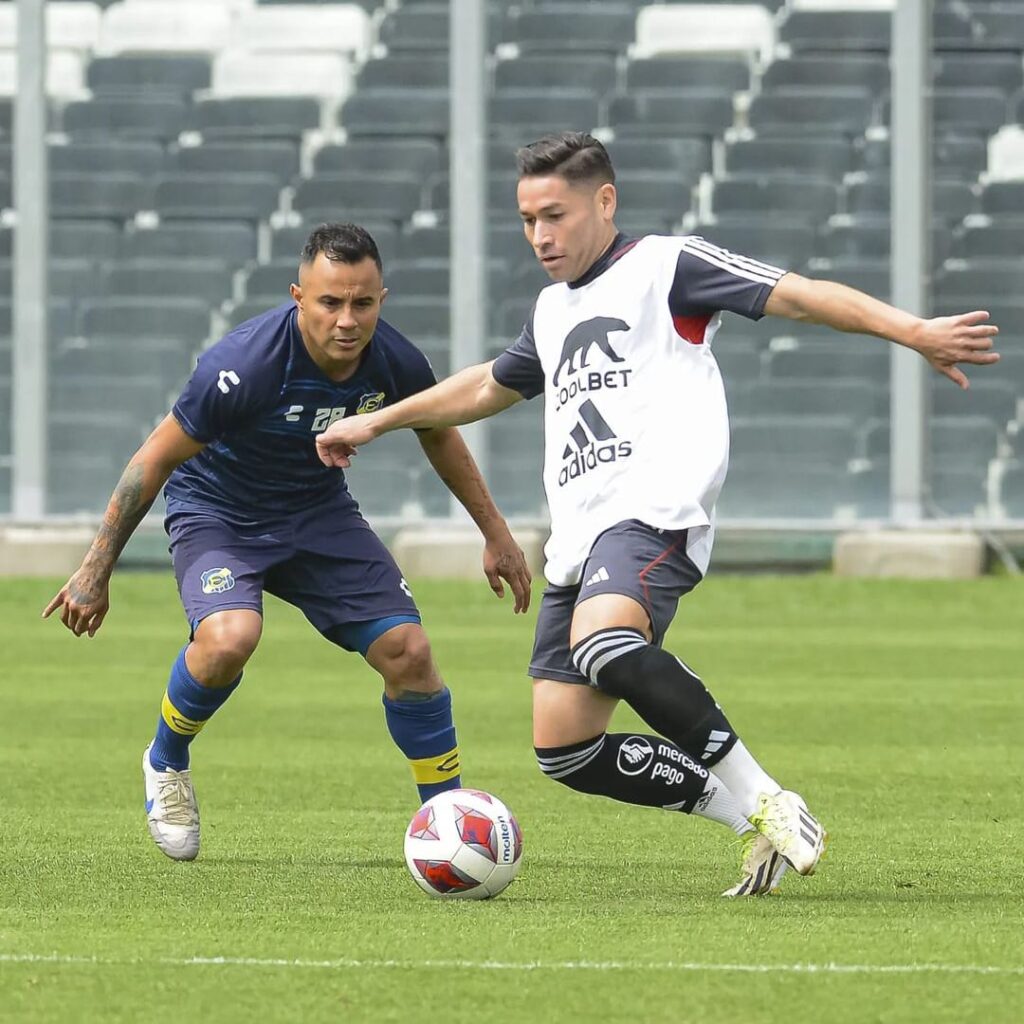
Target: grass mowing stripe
530, 965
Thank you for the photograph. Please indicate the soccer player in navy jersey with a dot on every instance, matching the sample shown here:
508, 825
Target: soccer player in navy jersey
251, 508
636, 450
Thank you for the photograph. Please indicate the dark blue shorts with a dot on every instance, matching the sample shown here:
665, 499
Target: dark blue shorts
333, 568
631, 558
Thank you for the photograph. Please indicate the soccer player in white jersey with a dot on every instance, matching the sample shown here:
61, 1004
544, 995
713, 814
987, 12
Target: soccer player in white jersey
636, 449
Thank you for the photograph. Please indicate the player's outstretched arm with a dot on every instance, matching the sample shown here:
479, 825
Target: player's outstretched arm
469, 395
945, 341
503, 558
84, 599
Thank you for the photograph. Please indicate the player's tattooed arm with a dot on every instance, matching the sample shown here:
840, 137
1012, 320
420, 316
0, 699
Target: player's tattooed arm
503, 558
84, 599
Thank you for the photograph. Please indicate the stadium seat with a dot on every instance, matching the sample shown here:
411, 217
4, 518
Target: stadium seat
270, 282
108, 195
866, 274
396, 112
865, 71
784, 489
864, 236
533, 112
207, 279
978, 71
355, 195
337, 28
999, 239
832, 358
233, 242
825, 439
425, 27
858, 400
826, 30
989, 396
1011, 490
405, 71
962, 281
959, 490
267, 117
951, 200
192, 24
794, 111
591, 73
153, 316
177, 75
139, 157
65, 74
90, 239
236, 196
654, 196
168, 359
1003, 199
276, 158
573, 28
287, 242
246, 73
960, 440
419, 317
143, 398
81, 481
807, 198
738, 360
695, 112
147, 117
688, 157
821, 157
773, 239
715, 73
681, 28
418, 157
964, 110
954, 156
1000, 25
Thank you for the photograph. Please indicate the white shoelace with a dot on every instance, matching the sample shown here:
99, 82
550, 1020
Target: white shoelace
175, 799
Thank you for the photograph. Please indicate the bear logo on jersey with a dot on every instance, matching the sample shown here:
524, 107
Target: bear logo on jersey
583, 337
216, 581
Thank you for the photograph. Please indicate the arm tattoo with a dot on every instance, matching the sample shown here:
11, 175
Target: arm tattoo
127, 508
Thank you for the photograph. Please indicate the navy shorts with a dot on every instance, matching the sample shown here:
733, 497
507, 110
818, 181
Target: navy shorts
333, 568
631, 558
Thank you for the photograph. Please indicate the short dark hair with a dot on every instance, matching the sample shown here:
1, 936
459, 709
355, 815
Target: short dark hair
342, 243
575, 156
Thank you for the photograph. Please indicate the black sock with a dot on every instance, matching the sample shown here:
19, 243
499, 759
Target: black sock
636, 769
669, 697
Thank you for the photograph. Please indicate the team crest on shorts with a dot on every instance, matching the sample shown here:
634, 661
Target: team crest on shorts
216, 581
370, 403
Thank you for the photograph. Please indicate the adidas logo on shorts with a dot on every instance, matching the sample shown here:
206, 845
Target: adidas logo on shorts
599, 577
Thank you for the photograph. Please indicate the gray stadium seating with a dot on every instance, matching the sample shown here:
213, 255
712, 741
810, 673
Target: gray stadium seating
145, 117
154, 73
151, 316
234, 242
866, 71
797, 110
695, 112
105, 196
822, 157
416, 157
826, 30
833, 359
118, 156
717, 74
396, 113
207, 279
236, 196
951, 200
354, 195
959, 156
998, 239
574, 27
592, 73
265, 117
867, 236
276, 158
406, 71
811, 199
688, 157
775, 239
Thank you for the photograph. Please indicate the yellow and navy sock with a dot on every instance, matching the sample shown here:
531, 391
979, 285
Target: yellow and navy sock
186, 708
423, 730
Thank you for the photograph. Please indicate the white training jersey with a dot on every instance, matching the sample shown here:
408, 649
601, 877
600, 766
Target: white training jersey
635, 419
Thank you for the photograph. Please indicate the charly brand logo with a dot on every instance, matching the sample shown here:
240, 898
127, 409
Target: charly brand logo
592, 442
216, 581
635, 755
583, 337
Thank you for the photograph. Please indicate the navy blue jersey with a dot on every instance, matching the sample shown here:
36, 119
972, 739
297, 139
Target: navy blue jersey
257, 401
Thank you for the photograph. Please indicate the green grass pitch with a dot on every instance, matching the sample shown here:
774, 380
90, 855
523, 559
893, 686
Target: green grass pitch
896, 708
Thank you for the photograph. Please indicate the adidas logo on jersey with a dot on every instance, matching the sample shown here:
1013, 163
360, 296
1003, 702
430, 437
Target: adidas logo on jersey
601, 576
591, 443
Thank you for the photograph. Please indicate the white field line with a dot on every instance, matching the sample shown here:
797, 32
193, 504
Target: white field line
526, 965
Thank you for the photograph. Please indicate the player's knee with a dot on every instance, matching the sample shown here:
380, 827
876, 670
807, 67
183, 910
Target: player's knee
226, 641
404, 655
608, 658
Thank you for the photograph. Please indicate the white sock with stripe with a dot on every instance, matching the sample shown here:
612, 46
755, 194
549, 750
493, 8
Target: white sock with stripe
745, 779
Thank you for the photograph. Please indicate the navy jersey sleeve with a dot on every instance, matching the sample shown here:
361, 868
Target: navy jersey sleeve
233, 382
518, 367
709, 279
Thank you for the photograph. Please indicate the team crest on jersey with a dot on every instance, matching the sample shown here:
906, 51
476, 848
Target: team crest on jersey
370, 403
583, 337
216, 581
592, 443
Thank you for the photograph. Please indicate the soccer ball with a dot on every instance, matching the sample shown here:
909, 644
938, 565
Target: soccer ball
463, 844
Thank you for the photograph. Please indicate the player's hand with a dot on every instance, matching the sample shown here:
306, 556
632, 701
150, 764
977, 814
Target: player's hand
83, 601
504, 560
341, 440
946, 341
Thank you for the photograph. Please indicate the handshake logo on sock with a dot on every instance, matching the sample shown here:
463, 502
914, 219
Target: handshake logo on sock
635, 756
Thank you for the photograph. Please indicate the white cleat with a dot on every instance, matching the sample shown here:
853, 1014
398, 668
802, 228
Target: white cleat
762, 867
171, 810
783, 819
